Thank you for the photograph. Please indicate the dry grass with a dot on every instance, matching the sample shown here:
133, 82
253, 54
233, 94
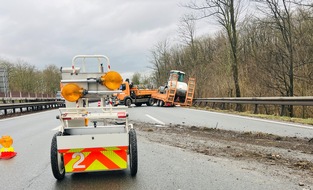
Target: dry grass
307, 121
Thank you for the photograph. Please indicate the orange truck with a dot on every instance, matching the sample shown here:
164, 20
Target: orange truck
133, 95
176, 91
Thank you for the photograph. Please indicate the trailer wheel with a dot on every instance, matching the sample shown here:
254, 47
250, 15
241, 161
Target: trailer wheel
128, 102
150, 102
133, 158
57, 163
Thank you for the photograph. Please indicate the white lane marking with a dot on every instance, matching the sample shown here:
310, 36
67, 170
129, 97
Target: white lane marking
156, 120
257, 119
57, 128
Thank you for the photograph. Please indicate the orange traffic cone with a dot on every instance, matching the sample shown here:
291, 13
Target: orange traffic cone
7, 151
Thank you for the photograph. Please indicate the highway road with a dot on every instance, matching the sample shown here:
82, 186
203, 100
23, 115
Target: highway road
160, 166
192, 117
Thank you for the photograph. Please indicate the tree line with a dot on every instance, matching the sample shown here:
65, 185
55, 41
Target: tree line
268, 53
26, 78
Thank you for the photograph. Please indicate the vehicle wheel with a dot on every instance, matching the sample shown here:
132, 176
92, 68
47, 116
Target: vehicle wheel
150, 102
161, 103
133, 157
138, 104
158, 102
128, 102
57, 163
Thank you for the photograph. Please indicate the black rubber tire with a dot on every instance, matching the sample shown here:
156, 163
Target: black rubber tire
150, 102
128, 102
161, 103
133, 154
138, 104
57, 163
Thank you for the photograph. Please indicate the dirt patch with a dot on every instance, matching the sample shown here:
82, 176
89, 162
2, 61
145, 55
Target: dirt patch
291, 153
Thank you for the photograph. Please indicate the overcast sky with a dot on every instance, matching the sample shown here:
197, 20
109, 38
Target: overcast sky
52, 32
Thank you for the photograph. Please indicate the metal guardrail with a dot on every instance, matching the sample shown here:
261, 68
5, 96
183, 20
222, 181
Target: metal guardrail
7, 100
30, 106
296, 101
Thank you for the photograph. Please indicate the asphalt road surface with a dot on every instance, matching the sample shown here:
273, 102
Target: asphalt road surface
160, 166
193, 117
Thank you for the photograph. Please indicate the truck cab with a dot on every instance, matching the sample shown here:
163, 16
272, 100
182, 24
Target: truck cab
131, 94
181, 87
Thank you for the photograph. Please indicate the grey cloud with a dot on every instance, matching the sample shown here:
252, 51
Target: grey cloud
52, 32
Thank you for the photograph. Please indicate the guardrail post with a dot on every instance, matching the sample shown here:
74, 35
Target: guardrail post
282, 112
303, 112
223, 106
255, 109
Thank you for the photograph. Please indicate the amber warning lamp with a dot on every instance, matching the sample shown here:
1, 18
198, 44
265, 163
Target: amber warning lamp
112, 80
72, 92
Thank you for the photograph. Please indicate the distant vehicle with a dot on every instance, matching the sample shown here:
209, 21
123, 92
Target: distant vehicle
58, 96
133, 95
176, 91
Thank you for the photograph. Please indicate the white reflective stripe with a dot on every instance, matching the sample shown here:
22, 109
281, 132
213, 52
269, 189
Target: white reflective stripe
92, 141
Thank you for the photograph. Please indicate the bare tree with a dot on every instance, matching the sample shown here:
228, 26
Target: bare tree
226, 12
23, 77
161, 59
51, 77
26, 78
187, 29
305, 3
136, 78
280, 19
187, 34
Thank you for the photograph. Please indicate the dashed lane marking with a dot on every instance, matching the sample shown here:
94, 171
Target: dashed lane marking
57, 128
156, 120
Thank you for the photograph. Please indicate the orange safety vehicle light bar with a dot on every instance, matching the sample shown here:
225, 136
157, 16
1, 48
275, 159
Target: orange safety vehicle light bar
112, 80
72, 92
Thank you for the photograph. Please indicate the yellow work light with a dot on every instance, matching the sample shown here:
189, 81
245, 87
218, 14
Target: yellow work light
72, 92
112, 80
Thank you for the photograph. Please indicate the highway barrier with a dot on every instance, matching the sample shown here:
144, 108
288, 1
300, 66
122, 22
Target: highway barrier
303, 101
12, 108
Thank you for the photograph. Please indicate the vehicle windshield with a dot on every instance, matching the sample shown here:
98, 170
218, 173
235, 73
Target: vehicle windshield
181, 75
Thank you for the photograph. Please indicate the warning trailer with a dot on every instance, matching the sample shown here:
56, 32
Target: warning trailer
91, 137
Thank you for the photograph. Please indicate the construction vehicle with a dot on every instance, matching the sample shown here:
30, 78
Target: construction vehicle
176, 91
92, 138
133, 95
